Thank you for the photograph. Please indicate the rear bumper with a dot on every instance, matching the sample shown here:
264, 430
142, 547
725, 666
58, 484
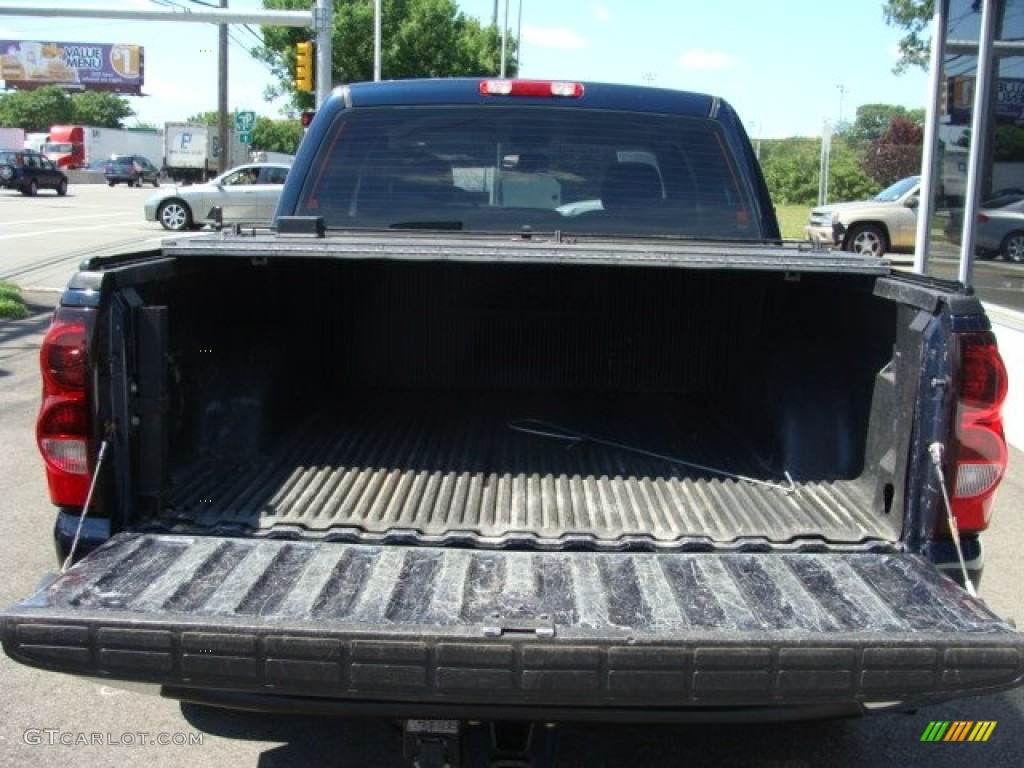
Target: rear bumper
123, 178
419, 631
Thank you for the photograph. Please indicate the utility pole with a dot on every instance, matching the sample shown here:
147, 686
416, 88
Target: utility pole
842, 92
222, 94
377, 12
519, 41
826, 156
323, 26
504, 40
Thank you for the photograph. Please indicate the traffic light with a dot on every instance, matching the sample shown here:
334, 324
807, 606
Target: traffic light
304, 67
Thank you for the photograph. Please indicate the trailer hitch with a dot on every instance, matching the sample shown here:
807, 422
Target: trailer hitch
490, 744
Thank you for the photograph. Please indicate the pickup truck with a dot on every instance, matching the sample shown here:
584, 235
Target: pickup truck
521, 411
887, 223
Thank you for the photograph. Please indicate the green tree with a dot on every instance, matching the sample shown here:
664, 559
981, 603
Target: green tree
268, 135
36, 111
105, 110
39, 109
874, 120
207, 118
915, 17
846, 178
419, 38
276, 135
792, 171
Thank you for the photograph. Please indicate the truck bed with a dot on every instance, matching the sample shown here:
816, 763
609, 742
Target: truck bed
488, 470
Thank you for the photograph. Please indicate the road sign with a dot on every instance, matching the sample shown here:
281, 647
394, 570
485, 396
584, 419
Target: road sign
245, 137
244, 121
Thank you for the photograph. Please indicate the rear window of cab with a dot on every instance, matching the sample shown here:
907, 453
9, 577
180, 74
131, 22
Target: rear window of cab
503, 168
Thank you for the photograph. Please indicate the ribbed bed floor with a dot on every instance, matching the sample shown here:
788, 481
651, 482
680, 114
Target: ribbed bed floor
421, 467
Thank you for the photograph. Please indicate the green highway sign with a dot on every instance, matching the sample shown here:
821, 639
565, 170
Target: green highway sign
245, 137
244, 121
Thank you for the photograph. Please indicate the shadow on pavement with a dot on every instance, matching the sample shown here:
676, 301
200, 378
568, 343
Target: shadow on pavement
893, 739
26, 333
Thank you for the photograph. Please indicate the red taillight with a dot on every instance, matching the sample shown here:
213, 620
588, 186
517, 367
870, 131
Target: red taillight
981, 218
63, 357
306, 118
62, 429
534, 88
980, 448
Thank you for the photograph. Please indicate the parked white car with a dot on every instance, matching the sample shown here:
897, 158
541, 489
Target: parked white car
247, 194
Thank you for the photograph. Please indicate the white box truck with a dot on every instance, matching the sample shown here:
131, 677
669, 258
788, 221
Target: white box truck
191, 152
12, 138
84, 146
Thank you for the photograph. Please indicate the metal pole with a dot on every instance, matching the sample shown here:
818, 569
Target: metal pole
222, 94
982, 99
929, 150
519, 41
504, 39
823, 165
376, 40
212, 16
323, 24
843, 90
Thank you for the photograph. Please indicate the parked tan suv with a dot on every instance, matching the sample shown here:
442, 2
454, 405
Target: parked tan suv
885, 224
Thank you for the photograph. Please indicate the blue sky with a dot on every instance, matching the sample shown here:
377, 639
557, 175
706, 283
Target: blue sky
786, 67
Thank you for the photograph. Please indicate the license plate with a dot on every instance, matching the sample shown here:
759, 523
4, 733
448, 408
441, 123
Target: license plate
448, 727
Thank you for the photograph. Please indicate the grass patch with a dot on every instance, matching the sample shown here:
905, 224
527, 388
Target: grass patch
792, 219
12, 306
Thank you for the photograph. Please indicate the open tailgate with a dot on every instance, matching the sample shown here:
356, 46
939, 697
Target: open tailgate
440, 626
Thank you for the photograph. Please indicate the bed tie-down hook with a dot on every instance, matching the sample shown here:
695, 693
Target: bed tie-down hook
546, 429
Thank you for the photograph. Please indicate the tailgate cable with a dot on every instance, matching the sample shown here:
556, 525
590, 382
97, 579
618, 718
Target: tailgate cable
85, 509
555, 432
935, 450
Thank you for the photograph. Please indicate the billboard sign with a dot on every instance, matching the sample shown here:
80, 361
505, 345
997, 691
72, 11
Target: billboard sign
1008, 94
29, 64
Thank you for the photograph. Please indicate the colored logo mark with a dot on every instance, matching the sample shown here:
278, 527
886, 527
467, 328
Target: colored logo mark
958, 730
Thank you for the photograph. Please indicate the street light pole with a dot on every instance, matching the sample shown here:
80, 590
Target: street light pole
222, 94
376, 39
504, 40
826, 156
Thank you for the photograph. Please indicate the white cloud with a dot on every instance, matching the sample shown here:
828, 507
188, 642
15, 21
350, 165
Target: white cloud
602, 14
548, 37
705, 60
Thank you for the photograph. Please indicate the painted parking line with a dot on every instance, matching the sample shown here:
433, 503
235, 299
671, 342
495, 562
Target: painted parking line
58, 220
49, 232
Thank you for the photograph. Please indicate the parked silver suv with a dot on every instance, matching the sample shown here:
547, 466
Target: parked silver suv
885, 224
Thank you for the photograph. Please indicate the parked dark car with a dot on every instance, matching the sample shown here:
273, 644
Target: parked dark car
28, 171
133, 170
